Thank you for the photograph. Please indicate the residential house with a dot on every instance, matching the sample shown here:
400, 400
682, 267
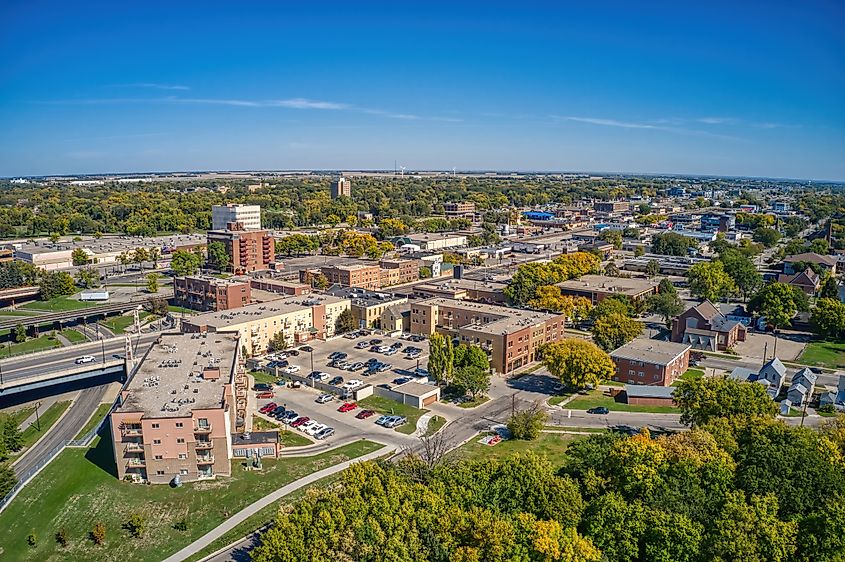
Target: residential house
704, 327
808, 281
824, 262
801, 390
835, 397
771, 376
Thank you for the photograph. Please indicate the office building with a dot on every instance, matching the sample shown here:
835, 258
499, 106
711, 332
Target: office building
397, 271
210, 293
248, 250
492, 292
462, 210
341, 187
596, 288
510, 336
299, 319
248, 216
176, 415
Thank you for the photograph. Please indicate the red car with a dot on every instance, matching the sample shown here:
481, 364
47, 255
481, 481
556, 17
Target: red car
364, 414
299, 421
268, 408
347, 407
268, 394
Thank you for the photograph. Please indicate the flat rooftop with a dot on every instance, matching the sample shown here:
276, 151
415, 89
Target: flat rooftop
650, 351
109, 244
169, 381
469, 284
260, 311
630, 286
503, 320
362, 297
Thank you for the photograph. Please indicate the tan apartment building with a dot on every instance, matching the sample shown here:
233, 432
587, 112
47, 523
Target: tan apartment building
510, 336
279, 286
492, 292
367, 306
210, 293
176, 416
459, 210
300, 319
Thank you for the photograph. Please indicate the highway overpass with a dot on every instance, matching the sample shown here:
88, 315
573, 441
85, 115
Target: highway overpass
71, 315
34, 375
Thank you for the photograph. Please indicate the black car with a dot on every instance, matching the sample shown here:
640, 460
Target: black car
292, 352
387, 386
397, 345
306, 348
261, 387
375, 342
337, 380
278, 412
598, 410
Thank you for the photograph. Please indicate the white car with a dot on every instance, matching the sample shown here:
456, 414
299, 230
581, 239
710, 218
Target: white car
291, 369
323, 398
307, 425
86, 359
382, 348
315, 429
354, 383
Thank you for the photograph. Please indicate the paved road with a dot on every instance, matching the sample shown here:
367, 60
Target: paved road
825, 379
71, 423
26, 366
239, 517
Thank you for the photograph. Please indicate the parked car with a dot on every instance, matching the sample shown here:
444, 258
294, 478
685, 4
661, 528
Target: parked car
364, 414
336, 380
85, 359
316, 428
598, 410
277, 412
369, 372
383, 367
291, 369
396, 421
307, 425
391, 351
299, 421
322, 377
347, 407
356, 366
382, 419
295, 384
401, 380
350, 335
353, 383
265, 395
306, 348
396, 345
323, 398
327, 432
338, 355
267, 407
375, 342
289, 416
261, 387
385, 385
293, 353
362, 345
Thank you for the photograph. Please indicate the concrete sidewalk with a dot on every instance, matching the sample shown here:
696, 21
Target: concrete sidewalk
242, 515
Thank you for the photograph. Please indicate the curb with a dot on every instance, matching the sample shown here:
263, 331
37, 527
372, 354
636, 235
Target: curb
46, 433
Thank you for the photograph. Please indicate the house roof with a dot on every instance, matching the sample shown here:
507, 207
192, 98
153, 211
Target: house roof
805, 375
809, 278
811, 257
650, 351
707, 309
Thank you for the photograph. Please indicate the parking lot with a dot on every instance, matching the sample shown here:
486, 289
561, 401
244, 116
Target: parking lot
398, 364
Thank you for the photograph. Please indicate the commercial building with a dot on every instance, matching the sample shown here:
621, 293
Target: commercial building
210, 293
299, 319
436, 241
704, 327
637, 395
364, 276
717, 222
279, 286
398, 271
611, 206
248, 250
367, 306
510, 336
176, 416
492, 292
462, 210
650, 362
248, 216
596, 288
341, 187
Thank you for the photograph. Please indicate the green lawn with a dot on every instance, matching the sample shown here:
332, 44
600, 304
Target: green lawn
578, 429
118, 324
73, 336
473, 403
59, 304
558, 398
690, 375
550, 445
434, 425
79, 489
388, 406
824, 354
13, 313
597, 398
263, 377
40, 343
179, 309
47, 417
293, 439
22, 413
99, 414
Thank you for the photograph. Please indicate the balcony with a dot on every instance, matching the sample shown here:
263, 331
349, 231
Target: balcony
204, 445
203, 429
134, 448
205, 459
131, 431
136, 462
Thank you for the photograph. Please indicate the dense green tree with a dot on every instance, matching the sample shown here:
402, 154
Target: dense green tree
820, 246
79, 257
709, 280
56, 284
615, 526
20, 333
768, 237
152, 282
8, 479
530, 276
611, 331
88, 277
218, 257
441, 358
667, 304
577, 362
750, 531
345, 322
702, 400
821, 534
472, 379
829, 288
673, 244
778, 303
527, 424
185, 263
612, 236
471, 356
829, 318
652, 268
743, 272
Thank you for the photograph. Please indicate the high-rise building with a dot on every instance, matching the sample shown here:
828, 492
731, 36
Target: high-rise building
248, 216
341, 187
248, 250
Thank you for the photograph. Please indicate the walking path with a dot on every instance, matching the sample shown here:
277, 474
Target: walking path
242, 515
422, 423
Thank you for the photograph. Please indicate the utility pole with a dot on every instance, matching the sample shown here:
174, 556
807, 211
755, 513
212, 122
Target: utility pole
37, 417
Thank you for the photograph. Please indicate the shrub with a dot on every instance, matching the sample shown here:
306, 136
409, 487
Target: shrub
98, 533
62, 537
31, 539
527, 424
181, 525
827, 409
135, 525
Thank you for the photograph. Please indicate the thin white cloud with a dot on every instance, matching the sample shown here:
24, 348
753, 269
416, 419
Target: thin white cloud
603, 122
612, 123
154, 86
303, 103
717, 120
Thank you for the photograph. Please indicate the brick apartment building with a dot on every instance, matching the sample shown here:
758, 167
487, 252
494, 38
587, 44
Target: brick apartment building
210, 293
510, 336
365, 276
460, 210
596, 288
248, 250
176, 416
650, 362
279, 286
400, 271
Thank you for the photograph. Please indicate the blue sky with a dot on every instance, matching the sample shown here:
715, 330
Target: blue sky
662, 87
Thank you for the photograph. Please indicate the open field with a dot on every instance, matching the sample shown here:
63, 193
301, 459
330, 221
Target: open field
59, 304
596, 399
387, 406
118, 324
550, 445
824, 354
79, 489
41, 343
73, 336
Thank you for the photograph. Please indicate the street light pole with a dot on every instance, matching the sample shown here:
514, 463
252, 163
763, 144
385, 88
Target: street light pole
103, 348
37, 418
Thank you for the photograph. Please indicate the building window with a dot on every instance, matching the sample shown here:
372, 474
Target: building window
183, 471
180, 424
182, 456
155, 426
180, 440
158, 457
156, 441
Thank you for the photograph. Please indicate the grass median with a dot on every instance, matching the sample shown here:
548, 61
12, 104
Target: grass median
387, 406
597, 398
